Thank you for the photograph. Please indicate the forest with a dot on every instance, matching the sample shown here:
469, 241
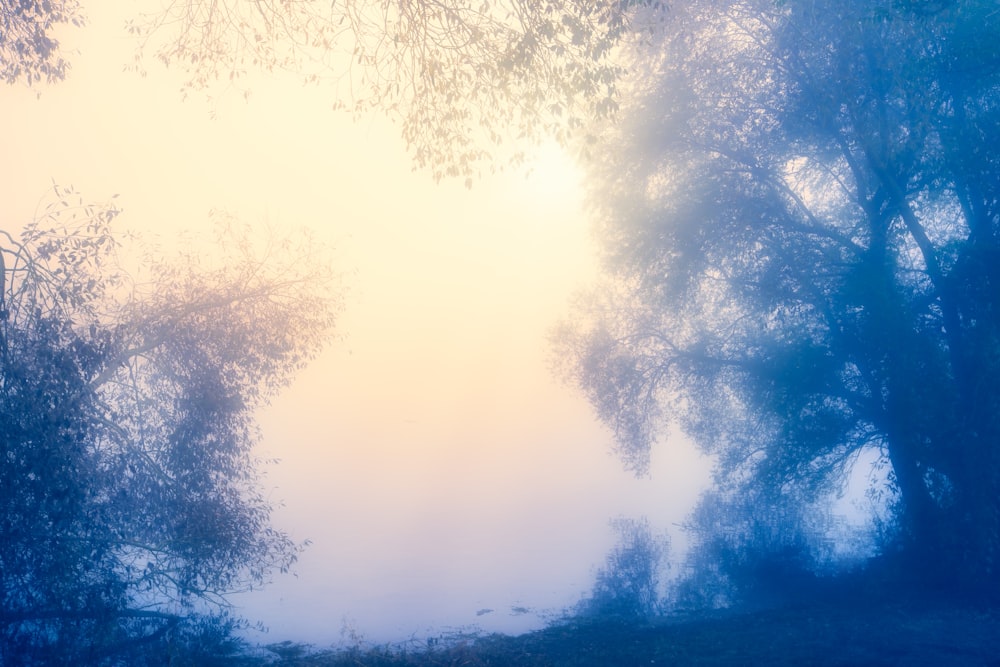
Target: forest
797, 210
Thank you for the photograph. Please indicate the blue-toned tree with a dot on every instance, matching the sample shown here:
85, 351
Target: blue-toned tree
629, 586
128, 487
800, 212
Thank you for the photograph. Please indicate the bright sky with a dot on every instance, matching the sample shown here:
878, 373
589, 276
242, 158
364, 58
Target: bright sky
434, 463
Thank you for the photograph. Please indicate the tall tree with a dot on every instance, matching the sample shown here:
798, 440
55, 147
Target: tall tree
128, 486
801, 217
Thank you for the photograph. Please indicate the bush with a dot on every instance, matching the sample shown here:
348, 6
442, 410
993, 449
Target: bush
628, 586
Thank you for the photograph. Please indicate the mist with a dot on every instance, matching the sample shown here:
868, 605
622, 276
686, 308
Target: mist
430, 457
636, 335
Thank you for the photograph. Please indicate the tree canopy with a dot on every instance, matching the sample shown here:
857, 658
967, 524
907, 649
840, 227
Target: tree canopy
800, 215
471, 82
459, 75
129, 490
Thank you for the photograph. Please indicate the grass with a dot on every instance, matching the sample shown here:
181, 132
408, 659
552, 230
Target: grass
899, 633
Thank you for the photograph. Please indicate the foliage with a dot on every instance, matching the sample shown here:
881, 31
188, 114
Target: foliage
459, 75
748, 552
801, 219
128, 487
628, 586
29, 51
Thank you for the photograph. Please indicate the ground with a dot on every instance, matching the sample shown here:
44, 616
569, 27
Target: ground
898, 633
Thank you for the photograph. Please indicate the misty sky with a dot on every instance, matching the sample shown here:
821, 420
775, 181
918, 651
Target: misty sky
430, 457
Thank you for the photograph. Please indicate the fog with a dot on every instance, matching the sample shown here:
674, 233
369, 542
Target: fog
430, 457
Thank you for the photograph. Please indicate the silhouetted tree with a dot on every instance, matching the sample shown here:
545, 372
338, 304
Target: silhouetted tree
799, 211
129, 499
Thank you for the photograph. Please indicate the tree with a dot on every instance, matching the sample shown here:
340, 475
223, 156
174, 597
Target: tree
29, 52
459, 75
628, 586
801, 221
128, 486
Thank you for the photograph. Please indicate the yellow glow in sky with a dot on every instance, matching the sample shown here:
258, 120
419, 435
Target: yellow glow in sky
434, 463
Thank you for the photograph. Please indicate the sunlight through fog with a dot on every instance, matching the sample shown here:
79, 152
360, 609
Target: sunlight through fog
429, 455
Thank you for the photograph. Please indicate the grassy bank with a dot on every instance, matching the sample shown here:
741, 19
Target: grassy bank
883, 634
